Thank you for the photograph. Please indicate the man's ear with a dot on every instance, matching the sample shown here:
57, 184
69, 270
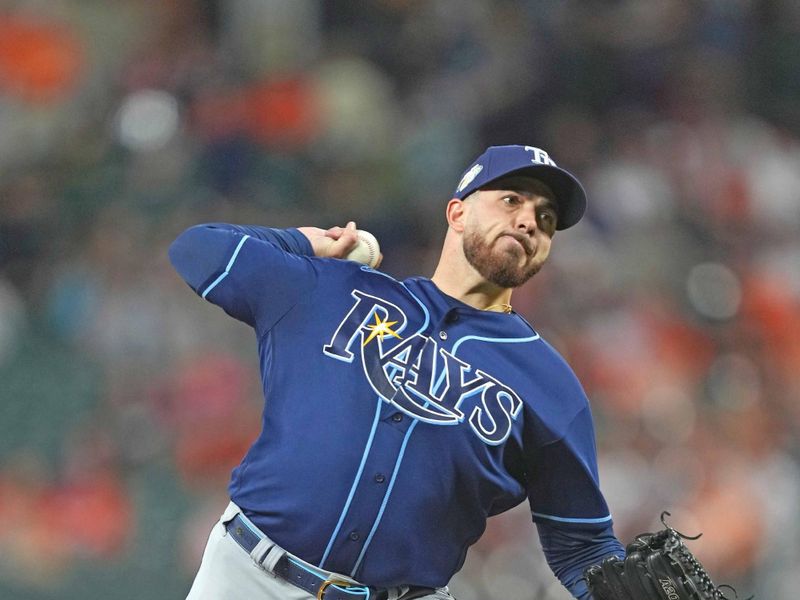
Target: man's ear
456, 213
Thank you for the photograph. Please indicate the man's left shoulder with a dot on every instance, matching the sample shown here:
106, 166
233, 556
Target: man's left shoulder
545, 350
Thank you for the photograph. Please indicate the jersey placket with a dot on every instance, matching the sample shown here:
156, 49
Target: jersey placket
371, 495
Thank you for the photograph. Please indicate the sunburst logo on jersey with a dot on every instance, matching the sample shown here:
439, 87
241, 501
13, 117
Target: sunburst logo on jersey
380, 329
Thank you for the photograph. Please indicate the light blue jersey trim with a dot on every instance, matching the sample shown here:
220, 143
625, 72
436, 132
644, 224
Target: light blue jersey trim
227, 268
571, 520
405, 287
353, 487
421, 305
385, 499
479, 338
467, 338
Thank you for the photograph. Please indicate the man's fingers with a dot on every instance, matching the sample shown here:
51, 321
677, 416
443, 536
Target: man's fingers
334, 232
335, 242
346, 241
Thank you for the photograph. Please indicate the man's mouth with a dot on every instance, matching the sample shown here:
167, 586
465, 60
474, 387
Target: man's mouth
524, 241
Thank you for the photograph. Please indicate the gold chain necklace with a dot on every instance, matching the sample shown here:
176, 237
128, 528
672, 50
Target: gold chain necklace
504, 308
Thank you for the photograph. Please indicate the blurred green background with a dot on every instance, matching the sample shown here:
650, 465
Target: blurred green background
125, 401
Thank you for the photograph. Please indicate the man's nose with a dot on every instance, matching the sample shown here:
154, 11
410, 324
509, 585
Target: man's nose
526, 220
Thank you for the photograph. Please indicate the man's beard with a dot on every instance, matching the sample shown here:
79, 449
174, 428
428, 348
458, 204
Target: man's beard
498, 267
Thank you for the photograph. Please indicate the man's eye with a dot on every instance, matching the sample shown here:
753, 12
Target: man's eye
547, 221
511, 199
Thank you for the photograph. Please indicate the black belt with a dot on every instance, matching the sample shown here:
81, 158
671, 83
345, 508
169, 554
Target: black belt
316, 584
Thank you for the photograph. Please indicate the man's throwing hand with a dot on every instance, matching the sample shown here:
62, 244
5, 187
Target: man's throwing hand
344, 242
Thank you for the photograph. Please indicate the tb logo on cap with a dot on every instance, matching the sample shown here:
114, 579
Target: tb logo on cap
540, 156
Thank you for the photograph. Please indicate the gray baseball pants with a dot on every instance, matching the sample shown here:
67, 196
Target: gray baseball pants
227, 572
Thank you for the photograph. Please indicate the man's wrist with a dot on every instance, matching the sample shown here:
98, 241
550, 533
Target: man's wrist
315, 238
302, 243
335, 242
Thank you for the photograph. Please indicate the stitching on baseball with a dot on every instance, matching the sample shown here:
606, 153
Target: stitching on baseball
371, 250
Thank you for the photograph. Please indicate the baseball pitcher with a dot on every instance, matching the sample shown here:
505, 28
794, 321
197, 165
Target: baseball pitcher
399, 415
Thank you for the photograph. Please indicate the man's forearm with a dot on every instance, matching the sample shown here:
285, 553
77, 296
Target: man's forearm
569, 551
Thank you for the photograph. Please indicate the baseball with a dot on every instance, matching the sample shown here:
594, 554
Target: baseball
367, 251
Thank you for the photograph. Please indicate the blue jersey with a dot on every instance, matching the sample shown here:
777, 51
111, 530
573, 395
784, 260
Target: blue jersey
397, 418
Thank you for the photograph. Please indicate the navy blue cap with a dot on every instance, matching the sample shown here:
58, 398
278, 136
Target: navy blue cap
500, 161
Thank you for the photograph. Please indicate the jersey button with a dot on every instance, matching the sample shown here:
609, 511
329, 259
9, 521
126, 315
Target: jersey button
397, 417
354, 536
442, 335
380, 477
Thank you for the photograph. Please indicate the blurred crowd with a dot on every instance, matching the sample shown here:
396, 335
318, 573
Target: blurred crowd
125, 400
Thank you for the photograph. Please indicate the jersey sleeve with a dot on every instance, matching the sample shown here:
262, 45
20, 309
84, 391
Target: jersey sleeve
563, 482
567, 505
253, 273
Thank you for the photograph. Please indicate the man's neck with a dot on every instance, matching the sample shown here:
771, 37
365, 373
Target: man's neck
469, 287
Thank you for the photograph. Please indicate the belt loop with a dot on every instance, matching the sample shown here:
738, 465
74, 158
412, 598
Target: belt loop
272, 557
261, 551
396, 593
266, 554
